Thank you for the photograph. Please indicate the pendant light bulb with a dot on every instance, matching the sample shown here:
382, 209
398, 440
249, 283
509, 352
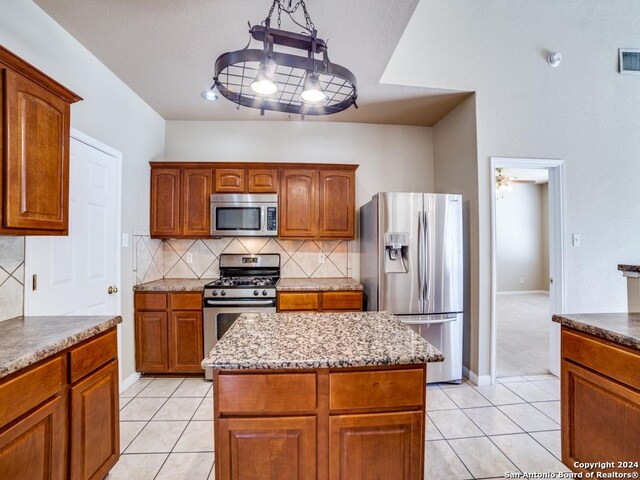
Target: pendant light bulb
263, 84
312, 90
210, 94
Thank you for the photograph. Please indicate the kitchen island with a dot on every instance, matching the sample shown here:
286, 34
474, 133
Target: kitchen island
600, 381
320, 395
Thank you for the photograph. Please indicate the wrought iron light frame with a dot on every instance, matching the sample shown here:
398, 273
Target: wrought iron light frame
235, 71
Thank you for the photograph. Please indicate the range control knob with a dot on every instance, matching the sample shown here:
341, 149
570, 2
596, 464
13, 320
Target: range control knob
223, 293
255, 292
264, 293
214, 293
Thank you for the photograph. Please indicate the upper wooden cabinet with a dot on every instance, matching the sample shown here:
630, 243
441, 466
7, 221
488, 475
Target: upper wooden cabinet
262, 180
180, 202
230, 180
34, 141
318, 203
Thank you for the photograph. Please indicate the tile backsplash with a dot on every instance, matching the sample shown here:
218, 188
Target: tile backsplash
11, 277
155, 259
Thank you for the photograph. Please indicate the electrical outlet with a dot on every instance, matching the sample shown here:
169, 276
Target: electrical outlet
321, 257
575, 239
189, 257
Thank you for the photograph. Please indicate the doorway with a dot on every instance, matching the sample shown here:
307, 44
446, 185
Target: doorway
527, 266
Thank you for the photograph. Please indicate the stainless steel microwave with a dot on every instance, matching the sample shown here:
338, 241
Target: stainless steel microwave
244, 215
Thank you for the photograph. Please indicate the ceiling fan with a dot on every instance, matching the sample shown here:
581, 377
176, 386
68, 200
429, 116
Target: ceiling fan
504, 183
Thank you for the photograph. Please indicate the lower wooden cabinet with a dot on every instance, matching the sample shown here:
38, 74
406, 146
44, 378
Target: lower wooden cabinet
35, 447
269, 448
328, 301
600, 402
169, 332
95, 437
388, 445
334, 424
60, 418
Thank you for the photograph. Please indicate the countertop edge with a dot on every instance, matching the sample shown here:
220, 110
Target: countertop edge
299, 365
34, 357
598, 331
338, 288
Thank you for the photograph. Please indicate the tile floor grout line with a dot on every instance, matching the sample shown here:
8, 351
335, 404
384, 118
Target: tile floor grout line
536, 440
459, 458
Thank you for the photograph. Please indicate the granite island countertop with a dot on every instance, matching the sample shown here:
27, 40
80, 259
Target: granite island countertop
27, 340
318, 284
629, 268
621, 328
319, 340
174, 285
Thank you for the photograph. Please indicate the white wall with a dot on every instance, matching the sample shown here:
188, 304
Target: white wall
110, 112
583, 112
522, 239
391, 158
456, 171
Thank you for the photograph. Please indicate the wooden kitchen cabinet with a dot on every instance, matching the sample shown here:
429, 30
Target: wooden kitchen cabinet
34, 150
600, 401
298, 204
262, 180
357, 440
168, 332
230, 180
336, 206
59, 418
327, 301
180, 202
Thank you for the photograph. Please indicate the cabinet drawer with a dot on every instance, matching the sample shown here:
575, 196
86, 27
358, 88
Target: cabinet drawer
92, 355
602, 356
376, 390
151, 301
298, 301
347, 301
186, 301
25, 391
267, 393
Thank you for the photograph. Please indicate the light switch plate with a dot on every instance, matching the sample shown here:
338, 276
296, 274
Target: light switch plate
125, 240
575, 239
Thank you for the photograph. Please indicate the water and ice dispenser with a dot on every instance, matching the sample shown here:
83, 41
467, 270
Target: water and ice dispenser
396, 246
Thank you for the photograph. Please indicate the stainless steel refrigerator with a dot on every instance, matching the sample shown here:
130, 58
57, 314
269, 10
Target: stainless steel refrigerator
411, 265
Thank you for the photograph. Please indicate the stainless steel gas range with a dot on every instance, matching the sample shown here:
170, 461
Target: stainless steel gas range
247, 284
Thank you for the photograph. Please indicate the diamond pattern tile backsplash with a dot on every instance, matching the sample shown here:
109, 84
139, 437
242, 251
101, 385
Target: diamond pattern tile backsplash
11, 277
155, 259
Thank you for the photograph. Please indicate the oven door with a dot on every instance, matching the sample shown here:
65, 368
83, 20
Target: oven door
219, 318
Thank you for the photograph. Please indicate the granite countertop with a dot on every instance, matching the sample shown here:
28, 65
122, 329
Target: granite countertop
629, 268
174, 285
27, 340
621, 328
317, 284
319, 340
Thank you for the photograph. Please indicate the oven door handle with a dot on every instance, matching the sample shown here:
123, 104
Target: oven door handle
232, 303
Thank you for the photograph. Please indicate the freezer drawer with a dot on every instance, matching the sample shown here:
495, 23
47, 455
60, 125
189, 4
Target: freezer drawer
445, 333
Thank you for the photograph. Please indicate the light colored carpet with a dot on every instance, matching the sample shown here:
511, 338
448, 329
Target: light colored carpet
523, 334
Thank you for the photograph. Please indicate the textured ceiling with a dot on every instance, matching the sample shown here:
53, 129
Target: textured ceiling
165, 51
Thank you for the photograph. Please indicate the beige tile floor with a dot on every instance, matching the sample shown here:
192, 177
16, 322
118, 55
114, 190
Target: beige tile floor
166, 429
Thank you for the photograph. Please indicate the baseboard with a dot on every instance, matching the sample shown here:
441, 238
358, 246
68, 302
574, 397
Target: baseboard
130, 380
521, 292
477, 380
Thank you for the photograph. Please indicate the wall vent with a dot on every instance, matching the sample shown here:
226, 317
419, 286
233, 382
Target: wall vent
630, 61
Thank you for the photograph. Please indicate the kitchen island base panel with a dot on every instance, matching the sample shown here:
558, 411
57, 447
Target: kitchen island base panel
329, 436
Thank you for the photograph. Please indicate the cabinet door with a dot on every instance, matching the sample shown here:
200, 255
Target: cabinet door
165, 202
263, 180
266, 448
337, 204
35, 447
600, 418
358, 441
36, 165
298, 203
185, 341
298, 302
151, 341
230, 180
196, 198
95, 427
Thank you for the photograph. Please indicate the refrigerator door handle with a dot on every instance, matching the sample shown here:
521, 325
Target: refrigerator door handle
416, 320
420, 262
425, 269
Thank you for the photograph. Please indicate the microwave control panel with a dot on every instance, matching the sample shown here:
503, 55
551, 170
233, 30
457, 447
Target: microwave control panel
272, 217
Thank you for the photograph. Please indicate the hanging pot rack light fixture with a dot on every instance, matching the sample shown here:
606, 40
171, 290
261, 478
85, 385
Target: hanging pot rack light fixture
267, 79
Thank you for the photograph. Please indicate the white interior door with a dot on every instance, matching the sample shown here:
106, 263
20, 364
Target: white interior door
75, 272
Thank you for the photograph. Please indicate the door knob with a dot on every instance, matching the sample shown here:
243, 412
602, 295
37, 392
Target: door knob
112, 289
